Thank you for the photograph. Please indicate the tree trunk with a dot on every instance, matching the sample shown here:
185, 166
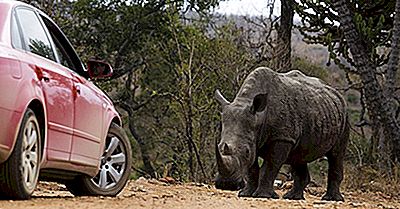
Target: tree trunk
191, 142
393, 63
378, 102
129, 106
190, 149
282, 51
148, 167
391, 73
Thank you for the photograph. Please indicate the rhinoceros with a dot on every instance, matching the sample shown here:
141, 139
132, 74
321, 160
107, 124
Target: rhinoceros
283, 118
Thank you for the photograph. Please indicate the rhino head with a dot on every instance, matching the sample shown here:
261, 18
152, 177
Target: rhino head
236, 151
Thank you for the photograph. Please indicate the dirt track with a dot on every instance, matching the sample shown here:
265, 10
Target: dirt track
154, 194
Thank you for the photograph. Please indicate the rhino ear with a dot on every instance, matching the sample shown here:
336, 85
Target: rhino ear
259, 103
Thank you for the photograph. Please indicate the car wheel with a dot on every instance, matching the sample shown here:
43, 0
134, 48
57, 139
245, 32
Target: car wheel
19, 174
115, 167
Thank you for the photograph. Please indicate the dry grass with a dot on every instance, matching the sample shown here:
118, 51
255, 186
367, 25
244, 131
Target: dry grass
366, 179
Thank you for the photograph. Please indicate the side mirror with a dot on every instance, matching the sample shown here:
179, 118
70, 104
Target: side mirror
98, 69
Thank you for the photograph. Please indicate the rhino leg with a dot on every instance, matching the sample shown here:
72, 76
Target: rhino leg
335, 169
301, 178
251, 180
335, 176
275, 156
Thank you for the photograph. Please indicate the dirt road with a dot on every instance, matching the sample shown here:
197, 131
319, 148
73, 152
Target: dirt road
154, 194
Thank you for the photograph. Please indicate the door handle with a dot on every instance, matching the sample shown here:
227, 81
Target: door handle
38, 71
41, 75
45, 77
78, 89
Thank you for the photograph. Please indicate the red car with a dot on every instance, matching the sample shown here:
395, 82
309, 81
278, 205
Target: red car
54, 123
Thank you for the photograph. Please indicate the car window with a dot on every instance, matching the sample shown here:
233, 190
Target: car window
66, 53
15, 34
63, 56
34, 34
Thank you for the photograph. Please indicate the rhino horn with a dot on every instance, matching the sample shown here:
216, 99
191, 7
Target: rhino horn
222, 162
221, 99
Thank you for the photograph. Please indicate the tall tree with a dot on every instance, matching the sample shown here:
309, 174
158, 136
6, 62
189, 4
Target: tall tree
364, 29
187, 69
391, 76
282, 50
378, 103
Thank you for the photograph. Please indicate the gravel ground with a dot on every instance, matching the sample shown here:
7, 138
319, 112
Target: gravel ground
145, 193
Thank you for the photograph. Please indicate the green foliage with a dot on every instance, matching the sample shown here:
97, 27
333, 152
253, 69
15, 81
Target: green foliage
357, 150
319, 171
352, 98
373, 21
116, 31
310, 69
187, 69
369, 27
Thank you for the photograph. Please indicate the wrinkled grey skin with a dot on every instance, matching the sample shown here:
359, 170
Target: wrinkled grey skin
284, 118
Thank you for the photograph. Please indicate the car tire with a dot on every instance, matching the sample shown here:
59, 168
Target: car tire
115, 168
19, 174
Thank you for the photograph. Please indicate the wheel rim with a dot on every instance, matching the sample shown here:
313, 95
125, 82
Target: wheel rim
30, 154
112, 164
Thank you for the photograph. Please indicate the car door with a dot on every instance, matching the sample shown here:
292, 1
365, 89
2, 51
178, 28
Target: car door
88, 123
56, 83
88, 103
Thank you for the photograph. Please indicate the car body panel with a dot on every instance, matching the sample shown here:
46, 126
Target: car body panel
16, 94
6, 137
87, 132
57, 88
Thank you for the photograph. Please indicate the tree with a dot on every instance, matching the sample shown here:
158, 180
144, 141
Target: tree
364, 29
282, 56
379, 97
186, 69
53, 8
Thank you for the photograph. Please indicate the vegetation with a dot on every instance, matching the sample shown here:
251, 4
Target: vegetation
170, 56
365, 44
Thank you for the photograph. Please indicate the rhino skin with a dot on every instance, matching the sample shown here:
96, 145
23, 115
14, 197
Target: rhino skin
284, 118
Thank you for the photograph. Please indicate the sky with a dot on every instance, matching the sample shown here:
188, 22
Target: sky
246, 7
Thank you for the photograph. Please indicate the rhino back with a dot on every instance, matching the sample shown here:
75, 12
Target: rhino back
322, 108
301, 109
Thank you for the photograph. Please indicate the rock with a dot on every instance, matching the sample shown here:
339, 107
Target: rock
278, 183
167, 196
354, 204
156, 182
168, 180
198, 184
287, 185
142, 180
138, 189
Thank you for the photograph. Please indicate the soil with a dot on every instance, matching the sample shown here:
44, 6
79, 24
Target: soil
144, 193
